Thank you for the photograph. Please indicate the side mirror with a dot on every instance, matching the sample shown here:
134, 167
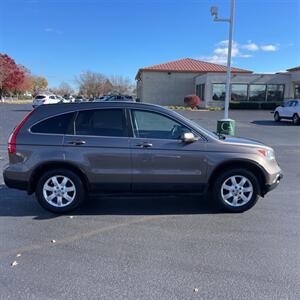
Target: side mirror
188, 137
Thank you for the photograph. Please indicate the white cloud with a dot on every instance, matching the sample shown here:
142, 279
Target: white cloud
52, 30
220, 52
250, 47
269, 48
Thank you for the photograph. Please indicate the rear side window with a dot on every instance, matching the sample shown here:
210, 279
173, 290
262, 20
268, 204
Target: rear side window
40, 97
55, 125
101, 122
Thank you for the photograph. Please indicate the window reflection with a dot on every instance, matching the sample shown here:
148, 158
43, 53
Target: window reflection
239, 92
218, 91
257, 92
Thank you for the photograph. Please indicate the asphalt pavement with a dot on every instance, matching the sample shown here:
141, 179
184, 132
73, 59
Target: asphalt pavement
162, 247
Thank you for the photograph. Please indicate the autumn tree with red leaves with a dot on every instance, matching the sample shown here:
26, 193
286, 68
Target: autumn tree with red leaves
11, 75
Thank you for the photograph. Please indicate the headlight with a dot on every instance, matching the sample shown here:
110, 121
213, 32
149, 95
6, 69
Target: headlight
269, 154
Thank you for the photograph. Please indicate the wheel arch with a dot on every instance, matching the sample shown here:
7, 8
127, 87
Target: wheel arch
249, 165
40, 169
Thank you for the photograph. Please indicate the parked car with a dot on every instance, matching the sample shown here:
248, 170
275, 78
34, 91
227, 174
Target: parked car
115, 98
79, 99
60, 98
63, 152
68, 99
102, 98
290, 110
44, 99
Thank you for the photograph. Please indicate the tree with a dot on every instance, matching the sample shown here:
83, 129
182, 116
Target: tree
65, 89
121, 84
91, 83
39, 84
11, 75
27, 84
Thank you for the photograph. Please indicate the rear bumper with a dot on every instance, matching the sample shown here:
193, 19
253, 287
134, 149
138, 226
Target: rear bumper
269, 187
11, 181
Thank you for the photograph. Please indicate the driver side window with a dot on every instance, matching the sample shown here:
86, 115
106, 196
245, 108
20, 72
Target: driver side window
148, 124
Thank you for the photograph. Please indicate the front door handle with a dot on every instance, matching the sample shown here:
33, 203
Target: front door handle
144, 145
77, 142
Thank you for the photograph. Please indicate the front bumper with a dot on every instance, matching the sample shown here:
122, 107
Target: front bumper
269, 187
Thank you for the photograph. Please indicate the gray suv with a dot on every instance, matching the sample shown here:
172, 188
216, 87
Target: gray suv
63, 152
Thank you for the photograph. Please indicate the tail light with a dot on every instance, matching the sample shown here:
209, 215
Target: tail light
13, 137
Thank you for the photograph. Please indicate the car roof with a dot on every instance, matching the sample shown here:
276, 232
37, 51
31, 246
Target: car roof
45, 111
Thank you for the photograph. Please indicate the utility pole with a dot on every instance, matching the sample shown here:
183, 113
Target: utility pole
230, 20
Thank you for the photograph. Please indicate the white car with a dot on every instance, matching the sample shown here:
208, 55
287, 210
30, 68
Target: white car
45, 99
289, 110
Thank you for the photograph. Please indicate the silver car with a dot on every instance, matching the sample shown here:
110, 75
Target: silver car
63, 152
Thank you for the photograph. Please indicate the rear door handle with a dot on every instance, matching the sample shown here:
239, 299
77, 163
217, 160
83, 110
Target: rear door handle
144, 145
77, 142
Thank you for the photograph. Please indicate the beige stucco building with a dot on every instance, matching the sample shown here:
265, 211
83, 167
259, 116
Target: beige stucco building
169, 83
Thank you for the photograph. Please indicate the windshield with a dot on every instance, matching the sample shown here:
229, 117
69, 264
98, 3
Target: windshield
206, 131
197, 126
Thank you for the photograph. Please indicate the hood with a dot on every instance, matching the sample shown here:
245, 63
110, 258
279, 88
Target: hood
243, 141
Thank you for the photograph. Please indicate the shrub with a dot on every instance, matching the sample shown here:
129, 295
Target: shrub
192, 101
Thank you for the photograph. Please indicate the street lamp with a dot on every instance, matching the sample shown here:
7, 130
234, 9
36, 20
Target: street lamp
214, 13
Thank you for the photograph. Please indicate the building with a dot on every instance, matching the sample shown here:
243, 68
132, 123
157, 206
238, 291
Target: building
169, 83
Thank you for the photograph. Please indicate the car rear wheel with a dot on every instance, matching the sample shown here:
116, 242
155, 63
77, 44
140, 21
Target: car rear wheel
276, 117
295, 119
60, 191
236, 190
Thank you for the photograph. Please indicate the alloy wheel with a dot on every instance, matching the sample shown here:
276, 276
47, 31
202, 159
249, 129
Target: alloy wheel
59, 191
237, 190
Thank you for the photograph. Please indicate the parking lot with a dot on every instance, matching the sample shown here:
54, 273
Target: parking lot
161, 247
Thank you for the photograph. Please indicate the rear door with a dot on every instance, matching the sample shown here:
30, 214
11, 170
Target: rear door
160, 160
99, 143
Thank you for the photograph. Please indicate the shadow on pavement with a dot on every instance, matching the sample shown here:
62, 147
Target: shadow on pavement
14, 203
21, 110
272, 123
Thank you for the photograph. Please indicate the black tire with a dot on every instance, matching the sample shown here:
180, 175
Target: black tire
80, 192
217, 190
295, 119
277, 117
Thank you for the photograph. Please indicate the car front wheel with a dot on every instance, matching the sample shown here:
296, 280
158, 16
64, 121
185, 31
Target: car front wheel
60, 191
236, 190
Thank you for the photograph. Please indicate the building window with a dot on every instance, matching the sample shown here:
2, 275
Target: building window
239, 92
297, 91
200, 91
275, 92
218, 91
257, 92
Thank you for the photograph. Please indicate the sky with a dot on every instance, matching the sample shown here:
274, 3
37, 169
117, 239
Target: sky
59, 39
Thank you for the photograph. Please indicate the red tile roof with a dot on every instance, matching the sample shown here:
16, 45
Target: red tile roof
294, 69
189, 65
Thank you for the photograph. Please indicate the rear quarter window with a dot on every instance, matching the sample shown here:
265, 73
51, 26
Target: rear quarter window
61, 124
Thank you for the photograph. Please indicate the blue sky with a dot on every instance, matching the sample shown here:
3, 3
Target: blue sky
59, 38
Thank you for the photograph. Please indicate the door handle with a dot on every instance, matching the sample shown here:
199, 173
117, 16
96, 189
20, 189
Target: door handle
144, 145
77, 142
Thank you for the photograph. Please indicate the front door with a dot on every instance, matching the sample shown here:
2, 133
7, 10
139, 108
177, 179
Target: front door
160, 160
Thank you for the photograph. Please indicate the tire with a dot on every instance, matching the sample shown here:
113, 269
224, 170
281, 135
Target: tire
277, 117
295, 119
60, 196
223, 187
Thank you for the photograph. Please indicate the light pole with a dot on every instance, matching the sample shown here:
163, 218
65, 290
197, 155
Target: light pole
214, 13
